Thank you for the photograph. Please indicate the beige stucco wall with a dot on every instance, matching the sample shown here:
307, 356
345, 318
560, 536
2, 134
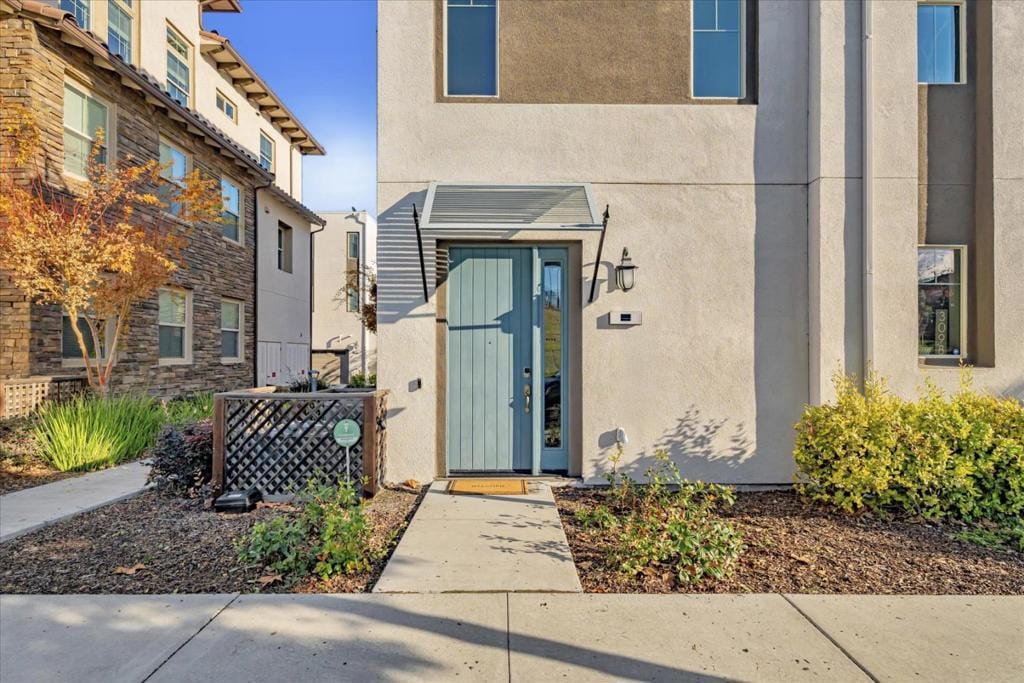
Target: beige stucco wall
712, 203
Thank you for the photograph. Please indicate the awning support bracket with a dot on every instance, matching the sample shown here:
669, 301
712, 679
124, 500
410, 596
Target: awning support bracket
419, 244
600, 249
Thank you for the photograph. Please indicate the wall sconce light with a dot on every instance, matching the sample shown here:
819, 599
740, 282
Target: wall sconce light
625, 272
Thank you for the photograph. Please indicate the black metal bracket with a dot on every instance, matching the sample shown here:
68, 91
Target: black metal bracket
419, 243
600, 250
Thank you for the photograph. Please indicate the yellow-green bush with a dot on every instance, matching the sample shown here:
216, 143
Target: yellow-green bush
960, 455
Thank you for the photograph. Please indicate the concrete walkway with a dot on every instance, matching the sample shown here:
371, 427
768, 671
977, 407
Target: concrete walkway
30, 509
460, 544
510, 637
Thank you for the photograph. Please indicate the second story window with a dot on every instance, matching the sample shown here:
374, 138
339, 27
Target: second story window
352, 291
227, 106
266, 152
938, 43
79, 8
230, 214
284, 247
718, 54
173, 169
179, 71
84, 116
471, 47
119, 28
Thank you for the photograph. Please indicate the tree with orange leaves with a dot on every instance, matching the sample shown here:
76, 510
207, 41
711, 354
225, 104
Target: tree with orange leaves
89, 250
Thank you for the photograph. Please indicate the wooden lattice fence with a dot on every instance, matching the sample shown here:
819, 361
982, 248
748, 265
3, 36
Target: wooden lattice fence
277, 442
19, 397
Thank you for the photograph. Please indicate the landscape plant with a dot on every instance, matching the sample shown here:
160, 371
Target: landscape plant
359, 380
90, 432
189, 408
958, 456
668, 523
81, 247
328, 536
183, 459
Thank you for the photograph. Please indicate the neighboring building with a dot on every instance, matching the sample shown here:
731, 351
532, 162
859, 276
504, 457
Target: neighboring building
162, 88
791, 214
344, 254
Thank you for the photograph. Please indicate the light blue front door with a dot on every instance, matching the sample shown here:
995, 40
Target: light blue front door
505, 359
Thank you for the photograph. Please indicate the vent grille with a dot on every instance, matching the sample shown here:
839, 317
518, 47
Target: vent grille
562, 205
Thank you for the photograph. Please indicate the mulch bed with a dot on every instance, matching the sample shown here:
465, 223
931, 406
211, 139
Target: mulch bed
20, 464
150, 544
799, 547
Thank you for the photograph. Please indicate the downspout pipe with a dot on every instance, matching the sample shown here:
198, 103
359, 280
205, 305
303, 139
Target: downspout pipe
362, 291
312, 276
256, 280
867, 190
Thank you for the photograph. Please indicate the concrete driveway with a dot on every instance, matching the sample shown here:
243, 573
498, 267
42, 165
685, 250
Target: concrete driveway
502, 636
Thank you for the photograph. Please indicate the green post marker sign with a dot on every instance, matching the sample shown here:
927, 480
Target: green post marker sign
346, 433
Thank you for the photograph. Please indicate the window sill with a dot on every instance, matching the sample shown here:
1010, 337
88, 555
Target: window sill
946, 362
78, 363
175, 361
234, 243
232, 361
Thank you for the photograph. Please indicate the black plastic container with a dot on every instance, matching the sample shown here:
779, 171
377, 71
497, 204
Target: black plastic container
238, 501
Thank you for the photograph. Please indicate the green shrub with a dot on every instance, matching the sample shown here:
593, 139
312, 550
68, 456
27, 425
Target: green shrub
189, 408
960, 456
359, 380
669, 522
329, 536
183, 459
1009, 535
89, 432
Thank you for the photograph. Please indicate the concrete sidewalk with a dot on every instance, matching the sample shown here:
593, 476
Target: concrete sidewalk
30, 509
501, 636
458, 544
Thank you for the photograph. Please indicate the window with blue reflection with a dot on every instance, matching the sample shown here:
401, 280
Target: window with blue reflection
938, 43
718, 48
472, 47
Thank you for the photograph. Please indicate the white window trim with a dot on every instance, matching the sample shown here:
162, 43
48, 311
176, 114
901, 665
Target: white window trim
111, 137
229, 360
273, 150
241, 224
961, 29
743, 58
190, 62
78, 362
134, 18
220, 94
964, 280
187, 340
497, 53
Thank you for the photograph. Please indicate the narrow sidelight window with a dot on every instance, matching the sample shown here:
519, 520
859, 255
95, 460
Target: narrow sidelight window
938, 43
84, 118
179, 70
941, 301
553, 320
175, 341
352, 292
119, 28
230, 330
79, 8
284, 247
718, 50
232, 210
471, 47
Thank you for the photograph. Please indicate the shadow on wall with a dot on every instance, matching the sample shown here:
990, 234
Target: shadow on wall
693, 443
399, 282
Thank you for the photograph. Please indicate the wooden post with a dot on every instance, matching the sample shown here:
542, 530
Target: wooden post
370, 444
217, 478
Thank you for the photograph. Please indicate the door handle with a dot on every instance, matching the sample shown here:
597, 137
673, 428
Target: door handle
527, 393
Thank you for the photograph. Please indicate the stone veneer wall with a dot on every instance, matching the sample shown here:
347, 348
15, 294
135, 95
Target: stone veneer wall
34, 64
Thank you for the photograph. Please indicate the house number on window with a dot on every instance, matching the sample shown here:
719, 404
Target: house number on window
346, 433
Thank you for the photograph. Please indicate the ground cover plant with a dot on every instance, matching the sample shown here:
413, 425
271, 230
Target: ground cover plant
668, 525
330, 536
90, 432
189, 408
955, 457
159, 544
183, 459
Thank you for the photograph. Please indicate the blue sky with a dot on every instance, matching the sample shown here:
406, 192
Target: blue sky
320, 57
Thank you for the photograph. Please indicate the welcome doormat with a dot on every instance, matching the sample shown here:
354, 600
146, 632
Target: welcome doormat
487, 487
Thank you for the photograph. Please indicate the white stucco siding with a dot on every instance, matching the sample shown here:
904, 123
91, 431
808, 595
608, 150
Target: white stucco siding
283, 300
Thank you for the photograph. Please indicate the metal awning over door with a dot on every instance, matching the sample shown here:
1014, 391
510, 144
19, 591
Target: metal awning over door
562, 206
451, 207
